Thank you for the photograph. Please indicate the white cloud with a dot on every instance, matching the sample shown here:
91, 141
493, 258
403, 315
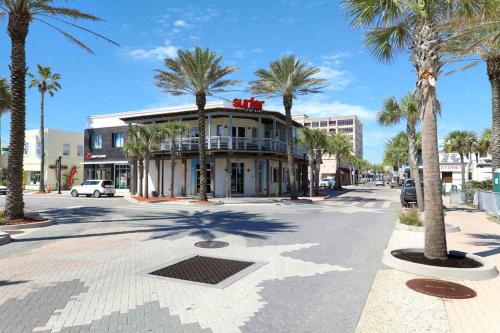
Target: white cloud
181, 23
158, 53
330, 69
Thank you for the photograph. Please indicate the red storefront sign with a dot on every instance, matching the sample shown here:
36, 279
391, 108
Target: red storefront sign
249, 104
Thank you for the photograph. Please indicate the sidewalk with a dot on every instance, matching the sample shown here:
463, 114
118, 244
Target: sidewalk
392, 307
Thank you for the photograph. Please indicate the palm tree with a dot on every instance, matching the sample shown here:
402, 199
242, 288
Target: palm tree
392, 113
396, 151
200, 74
420, 28
150, 137
460, 142
47, 83
314, 141
338, 145
5, 99
133, 150
174, 130
482, 38
288, 78
21, 13
483, 145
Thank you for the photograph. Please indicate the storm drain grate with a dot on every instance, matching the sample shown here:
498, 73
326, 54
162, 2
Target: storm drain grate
203, 269
439, 288
211, 244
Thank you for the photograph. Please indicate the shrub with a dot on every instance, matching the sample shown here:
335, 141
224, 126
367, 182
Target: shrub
411, 217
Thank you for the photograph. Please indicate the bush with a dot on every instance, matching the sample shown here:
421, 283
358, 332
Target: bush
411, 217
472, 186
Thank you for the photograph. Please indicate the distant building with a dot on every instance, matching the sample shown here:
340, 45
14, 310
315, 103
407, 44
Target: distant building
478, 169
351, 125
68, 145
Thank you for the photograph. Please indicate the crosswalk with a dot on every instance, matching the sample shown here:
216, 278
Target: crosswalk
372, 204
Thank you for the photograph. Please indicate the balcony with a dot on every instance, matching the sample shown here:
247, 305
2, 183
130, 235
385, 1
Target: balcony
225, 143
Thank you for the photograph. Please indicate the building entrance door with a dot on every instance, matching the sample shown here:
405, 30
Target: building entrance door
237, 178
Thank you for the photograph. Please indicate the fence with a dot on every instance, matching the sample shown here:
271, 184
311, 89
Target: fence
489, 202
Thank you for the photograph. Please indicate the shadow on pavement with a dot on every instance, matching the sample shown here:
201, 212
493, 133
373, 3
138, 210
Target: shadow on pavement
9, 283
489, 240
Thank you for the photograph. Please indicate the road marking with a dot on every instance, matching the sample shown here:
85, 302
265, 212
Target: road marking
386, 204
369, 204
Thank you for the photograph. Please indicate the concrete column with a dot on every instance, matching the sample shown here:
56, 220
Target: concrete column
209, 129
268, 180
273, 142
260, 133
280, 177
257, 177
230, 131
228, 177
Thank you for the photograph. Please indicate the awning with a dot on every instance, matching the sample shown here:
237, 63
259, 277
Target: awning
104, 162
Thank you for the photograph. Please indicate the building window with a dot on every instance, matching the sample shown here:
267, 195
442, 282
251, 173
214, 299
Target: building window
34, 177
314, 124
220, 130
195, 132
118, 140
307, 124
345, 122
332, 122
26, 149
79, 151
38, 148
346, 130
323, 123
97, 141
332, 130
275, 175
66, 150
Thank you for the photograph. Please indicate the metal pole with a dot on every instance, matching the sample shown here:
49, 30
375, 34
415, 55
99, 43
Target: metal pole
59, 167
162, 167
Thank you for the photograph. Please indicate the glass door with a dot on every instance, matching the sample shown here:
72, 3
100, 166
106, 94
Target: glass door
239, 135
237, 178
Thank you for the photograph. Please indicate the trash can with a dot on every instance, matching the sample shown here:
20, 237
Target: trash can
496, 181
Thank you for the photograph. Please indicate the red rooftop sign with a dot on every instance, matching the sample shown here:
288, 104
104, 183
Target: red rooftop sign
250, 104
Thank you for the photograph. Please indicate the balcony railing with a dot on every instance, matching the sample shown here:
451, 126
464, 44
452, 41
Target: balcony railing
222, 143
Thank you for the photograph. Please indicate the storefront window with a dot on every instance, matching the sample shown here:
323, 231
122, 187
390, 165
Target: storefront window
118, 140
97, 141
34, 177
122, 176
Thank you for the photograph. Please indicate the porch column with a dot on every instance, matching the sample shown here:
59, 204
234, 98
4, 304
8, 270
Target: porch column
259, 133
257, 178
230, 131
280, 176
157, 165
228, 177
273, 142
184, 175
268, 180
209, 131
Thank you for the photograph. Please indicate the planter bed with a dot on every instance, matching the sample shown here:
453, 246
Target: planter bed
157, 199
448, 227
458, 266
27, 223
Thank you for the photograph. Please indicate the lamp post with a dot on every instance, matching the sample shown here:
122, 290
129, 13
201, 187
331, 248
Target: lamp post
58, 174
162, 174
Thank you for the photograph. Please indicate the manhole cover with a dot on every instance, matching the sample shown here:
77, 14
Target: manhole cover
203, 269
211, 244
439, 288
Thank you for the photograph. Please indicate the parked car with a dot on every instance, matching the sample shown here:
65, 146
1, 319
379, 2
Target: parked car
3, 190
380, 182
394, 182
327, 182
94, 187
409, 193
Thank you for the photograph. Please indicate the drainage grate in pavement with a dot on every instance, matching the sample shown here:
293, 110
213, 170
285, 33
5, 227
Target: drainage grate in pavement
440, 288
203, 269
211, 244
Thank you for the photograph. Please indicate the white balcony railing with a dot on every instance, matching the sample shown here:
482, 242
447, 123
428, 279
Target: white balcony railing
214, 143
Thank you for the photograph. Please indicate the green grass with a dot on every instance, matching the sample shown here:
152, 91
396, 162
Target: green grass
410, 216
493, 218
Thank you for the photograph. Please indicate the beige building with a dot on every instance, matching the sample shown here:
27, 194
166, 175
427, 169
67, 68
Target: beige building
351, 125
68, 145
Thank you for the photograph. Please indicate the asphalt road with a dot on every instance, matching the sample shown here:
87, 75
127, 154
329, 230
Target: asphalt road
349, 231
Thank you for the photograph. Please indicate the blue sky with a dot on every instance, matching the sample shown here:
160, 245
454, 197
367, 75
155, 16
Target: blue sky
249, 34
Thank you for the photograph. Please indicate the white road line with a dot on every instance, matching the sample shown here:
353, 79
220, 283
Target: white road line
386, 204
369, 204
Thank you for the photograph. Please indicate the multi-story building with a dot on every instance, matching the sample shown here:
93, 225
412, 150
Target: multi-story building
351, 125
67, 145
476, 168
246, 150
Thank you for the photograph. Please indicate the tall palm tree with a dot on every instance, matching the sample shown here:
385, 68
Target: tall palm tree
392, 113
483, 145
288, 78
21, 13
200, 74
419, 27
396, 151
482, 38
174, 130
340, 146
150, 137
460, 142
47, 83
314, 141
5, 99
133, 150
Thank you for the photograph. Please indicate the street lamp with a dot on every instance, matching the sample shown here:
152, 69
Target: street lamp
58, 174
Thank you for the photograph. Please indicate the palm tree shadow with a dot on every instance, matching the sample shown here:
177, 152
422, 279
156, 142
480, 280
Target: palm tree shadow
487, 240
210, 224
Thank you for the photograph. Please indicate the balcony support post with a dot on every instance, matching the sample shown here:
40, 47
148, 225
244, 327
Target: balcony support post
230, 131
209, 136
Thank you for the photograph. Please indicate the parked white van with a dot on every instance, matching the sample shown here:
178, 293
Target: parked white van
94, 187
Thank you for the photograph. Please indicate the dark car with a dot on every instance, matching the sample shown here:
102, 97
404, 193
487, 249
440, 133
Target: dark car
3, 190
408, 193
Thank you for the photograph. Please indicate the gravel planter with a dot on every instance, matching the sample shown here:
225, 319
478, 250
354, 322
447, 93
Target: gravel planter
28, 225
4, 238
487, 271
448, 227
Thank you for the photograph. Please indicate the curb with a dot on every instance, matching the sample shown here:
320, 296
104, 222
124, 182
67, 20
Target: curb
487, 271
4, 238
28, 225
449, 228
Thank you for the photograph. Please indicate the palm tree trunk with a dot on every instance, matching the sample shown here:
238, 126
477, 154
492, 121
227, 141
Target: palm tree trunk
311, 173
414, 172
317, 166
427, 63
141, 177
201, 100
18, 30
493, 67
146, 175
287, 103
172, 167
133, 177
462, 164
42, 145
338, 185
